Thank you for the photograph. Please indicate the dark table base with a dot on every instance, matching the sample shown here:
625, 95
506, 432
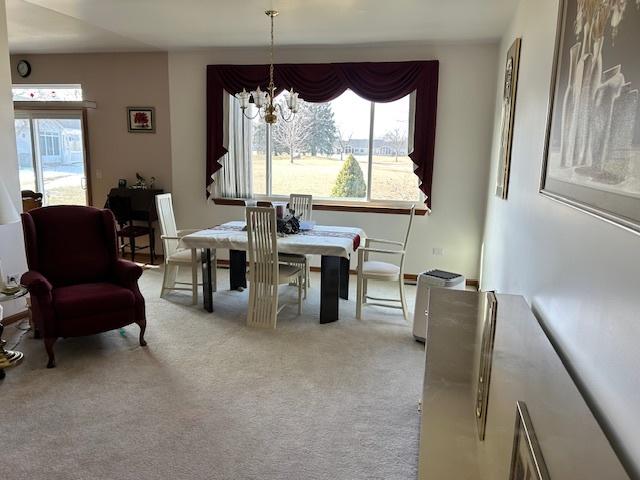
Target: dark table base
334, 281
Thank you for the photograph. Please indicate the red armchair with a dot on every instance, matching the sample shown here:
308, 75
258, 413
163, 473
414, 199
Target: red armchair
78, 285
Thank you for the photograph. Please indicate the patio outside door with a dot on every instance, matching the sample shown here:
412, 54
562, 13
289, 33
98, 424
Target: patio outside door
52, 155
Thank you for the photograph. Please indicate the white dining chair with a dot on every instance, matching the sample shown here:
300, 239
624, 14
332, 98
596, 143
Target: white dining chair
175, 256
266, 274
383, 271
302, 206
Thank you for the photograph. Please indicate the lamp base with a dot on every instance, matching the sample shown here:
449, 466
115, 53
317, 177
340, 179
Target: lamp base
8, 358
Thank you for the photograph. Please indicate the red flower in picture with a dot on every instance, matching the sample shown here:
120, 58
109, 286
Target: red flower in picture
141, 119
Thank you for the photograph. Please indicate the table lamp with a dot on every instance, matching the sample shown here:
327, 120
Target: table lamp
8, 214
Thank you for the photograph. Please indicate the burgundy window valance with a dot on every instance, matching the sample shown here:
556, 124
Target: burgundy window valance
376, 82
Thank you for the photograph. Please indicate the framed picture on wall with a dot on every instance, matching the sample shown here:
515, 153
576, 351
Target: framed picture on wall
141, 119
592, 151
509, 91
527, 462
488, 333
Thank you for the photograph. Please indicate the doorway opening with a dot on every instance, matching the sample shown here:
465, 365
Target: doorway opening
52, 156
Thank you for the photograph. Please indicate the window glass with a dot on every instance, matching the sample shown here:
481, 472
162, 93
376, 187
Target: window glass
258, 153
393, 177
47, 93
309, 151
325, 150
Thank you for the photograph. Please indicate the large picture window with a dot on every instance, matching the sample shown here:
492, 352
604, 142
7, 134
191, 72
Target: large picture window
348, 148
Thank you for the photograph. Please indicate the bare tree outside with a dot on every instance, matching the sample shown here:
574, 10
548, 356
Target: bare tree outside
342, 140
397, 140
292, 136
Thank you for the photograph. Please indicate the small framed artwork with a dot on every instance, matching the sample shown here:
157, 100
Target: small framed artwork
509, 91
488, 329
527, 462
592, 150
141, 119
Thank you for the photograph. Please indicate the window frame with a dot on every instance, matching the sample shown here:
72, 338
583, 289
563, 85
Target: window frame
367, 202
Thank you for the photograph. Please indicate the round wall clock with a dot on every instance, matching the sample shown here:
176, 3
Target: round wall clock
24, 68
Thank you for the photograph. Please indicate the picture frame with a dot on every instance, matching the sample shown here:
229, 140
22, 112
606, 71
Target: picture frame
527, 462
487, 338
592, 145
141, 119
509, 94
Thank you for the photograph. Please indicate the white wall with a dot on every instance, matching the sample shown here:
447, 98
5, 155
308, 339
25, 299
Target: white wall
463, 142
11, 244
581, 274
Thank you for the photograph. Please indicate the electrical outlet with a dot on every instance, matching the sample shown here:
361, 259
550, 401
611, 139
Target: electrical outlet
438, 251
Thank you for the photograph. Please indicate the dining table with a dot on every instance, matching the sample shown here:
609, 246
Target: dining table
334, 244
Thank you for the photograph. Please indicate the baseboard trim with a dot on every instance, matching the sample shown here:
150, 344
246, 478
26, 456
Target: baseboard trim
16, 317
409, 277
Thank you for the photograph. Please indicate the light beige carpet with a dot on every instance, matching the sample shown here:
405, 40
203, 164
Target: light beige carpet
210, 398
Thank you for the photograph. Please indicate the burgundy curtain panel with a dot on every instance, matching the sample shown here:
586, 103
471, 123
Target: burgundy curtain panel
377, 82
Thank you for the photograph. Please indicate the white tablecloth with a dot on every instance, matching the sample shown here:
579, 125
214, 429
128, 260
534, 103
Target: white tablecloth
322, 240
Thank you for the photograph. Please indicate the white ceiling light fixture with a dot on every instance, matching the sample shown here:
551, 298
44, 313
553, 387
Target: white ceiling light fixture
264, 100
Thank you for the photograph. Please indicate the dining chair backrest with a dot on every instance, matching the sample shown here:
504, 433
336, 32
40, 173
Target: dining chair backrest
167, 221
121, 208
263, 266
301, 205
412, 213
263, 244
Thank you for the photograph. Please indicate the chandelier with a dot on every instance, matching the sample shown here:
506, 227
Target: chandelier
264, 100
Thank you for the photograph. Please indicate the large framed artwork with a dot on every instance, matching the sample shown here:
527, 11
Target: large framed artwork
487, 337
527, 462
509, 91
592, 151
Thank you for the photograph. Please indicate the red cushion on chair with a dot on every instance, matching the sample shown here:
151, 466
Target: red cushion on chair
90, 298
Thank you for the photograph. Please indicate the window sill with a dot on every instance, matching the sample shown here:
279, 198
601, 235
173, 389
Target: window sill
336, 207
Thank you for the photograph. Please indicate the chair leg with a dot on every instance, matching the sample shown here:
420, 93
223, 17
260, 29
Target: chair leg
359, 295
143, 327
274, 306
152, 245
165, 273
403, 300
194, 276
48, 345
132, 247
300, 279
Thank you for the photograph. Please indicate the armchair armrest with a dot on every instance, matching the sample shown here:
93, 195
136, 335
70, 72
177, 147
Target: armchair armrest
187, 231
36, 283
379, 250
126, 273
379, 240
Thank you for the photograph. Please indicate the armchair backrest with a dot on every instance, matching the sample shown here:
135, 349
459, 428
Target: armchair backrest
70, 244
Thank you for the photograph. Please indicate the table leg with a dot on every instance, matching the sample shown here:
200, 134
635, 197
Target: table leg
344, 278
237, 269
329, 288
207, 291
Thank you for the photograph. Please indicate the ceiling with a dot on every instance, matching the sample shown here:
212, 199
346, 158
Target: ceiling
48, 26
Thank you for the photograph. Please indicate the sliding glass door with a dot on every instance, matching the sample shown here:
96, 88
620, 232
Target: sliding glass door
52, 156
